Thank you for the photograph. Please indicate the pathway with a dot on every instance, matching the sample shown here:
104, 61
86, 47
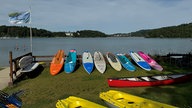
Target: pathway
4, 78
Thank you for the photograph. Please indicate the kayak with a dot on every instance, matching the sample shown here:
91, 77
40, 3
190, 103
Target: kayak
118, 99
76, 102
155, 80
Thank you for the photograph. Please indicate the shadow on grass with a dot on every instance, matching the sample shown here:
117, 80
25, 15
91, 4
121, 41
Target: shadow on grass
77, 66
35, 72
32, 74
177, 95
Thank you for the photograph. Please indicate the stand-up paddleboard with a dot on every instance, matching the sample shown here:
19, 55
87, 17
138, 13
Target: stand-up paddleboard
27, 65
70, 62
125, 62
113, 61
87, 61
99, 62
57, 62
150, 61
139, 61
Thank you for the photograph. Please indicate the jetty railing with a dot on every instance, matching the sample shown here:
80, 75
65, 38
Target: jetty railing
14, 67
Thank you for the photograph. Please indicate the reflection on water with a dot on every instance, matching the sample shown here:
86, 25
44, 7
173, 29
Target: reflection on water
49, 46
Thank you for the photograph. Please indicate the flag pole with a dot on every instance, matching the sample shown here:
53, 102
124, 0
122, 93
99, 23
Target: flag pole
31, 41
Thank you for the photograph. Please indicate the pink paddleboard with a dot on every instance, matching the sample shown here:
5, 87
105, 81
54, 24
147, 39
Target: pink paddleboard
150, 61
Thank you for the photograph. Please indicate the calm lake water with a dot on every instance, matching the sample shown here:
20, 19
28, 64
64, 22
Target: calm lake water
49, 46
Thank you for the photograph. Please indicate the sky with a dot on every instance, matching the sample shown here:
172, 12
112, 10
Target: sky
108, 16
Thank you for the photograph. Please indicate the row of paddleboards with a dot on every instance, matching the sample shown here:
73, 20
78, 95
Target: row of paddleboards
71, 59
116, 61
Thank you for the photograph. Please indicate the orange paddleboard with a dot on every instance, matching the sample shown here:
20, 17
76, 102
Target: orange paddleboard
57, 62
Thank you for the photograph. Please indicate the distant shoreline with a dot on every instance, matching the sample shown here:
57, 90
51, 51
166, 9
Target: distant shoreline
7, 38
180, 31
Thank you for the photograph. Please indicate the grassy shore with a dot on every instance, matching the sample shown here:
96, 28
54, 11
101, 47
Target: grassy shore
1, 68
44, 90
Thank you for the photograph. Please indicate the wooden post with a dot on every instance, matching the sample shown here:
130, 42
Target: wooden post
11, 68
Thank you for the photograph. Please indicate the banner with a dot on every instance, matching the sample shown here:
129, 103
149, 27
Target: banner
19, 17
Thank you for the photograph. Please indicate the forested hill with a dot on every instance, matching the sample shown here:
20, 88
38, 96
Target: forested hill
19, 31
180, 31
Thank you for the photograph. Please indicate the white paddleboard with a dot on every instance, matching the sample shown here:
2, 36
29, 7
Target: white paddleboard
99, 62
87, 61
27, 65
113, 61
139, 61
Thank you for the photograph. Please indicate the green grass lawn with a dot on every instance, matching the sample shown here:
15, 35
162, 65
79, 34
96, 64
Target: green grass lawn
1, 68
44, 90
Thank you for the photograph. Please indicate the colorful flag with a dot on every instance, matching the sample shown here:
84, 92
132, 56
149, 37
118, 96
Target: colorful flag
19, 17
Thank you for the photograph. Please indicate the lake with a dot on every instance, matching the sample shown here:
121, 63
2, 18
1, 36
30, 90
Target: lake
49, 46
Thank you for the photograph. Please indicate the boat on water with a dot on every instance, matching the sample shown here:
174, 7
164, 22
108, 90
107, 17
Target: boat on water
125, 62
139, 61
70, 62
57, 62
118, 99
155, 80
76, 102
150, 61
113, 61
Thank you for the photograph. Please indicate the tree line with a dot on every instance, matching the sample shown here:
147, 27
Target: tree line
23, 31
180, 31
